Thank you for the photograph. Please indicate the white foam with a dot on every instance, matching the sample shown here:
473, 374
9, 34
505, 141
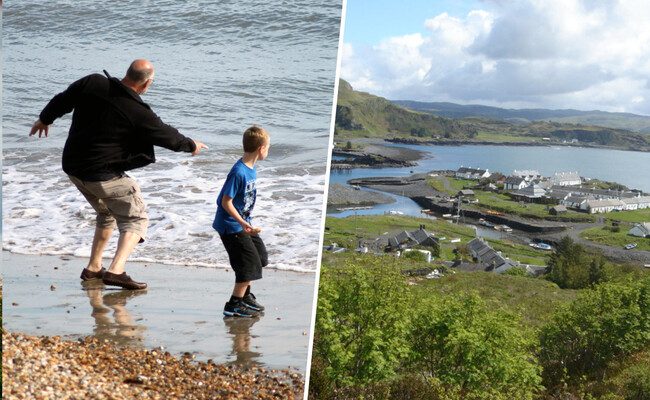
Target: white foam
45, 214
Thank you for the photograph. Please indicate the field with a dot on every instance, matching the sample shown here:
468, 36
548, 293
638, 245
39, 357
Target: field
615, 239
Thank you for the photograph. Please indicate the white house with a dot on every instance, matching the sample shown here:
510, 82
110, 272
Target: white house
640, 230
527, 174
532, 191
566, 179
603, 206
514, 183
472, 173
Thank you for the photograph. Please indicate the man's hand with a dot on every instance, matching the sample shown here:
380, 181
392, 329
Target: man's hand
41, 128
198, 144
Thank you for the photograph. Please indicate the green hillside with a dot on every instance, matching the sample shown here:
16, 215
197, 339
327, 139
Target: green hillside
362, 114
365, 115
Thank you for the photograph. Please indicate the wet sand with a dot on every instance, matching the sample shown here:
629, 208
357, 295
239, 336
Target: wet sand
180, 312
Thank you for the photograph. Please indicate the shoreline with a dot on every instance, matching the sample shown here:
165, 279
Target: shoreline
489, 143
181, 310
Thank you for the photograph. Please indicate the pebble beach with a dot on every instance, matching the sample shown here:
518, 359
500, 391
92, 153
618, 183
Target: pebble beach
43, 367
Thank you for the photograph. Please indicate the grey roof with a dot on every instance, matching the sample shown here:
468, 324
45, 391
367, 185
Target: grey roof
464, 170
605, 203
514, 180
466, 192
559, 207
637, 200
644, 227
418, 237
486, 254
531, 191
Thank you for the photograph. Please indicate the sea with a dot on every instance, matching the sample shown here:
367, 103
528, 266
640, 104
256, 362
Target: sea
220, 67
630, 168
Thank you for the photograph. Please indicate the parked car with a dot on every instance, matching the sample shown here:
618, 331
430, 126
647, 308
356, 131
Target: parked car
630, 246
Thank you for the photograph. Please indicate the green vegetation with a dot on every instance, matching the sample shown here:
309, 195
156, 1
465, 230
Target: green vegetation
347, 232
570, 266
501, 202
605, 235
381, 335
603, 324
361, 114
629, 216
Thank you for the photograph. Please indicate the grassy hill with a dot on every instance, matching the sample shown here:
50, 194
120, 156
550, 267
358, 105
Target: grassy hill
627, 121
362, 114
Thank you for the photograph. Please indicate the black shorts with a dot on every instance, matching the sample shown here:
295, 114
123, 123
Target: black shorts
247, 255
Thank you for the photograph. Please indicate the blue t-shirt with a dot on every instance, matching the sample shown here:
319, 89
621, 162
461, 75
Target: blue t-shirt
240, 186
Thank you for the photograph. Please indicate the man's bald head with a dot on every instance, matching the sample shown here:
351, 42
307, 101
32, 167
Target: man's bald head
140, 71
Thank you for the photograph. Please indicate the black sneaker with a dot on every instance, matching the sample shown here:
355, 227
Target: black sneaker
122, 280
239, 309
88, 275
251, 302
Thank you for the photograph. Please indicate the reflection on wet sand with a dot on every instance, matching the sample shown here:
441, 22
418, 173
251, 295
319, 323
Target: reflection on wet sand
239, 330
119, 327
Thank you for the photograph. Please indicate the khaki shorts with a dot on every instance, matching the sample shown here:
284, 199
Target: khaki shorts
118, 202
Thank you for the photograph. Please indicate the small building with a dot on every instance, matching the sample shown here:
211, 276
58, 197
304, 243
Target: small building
566, 179
465, 193
527, 174
515, 183
533, 191
556, 210
603, 206
472, 173
490, 258
640, 230
406, 239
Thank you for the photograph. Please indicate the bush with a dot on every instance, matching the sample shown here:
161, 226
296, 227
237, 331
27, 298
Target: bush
610, 321
461, 342
362, 320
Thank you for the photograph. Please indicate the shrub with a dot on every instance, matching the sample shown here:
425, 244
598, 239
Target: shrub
463, 343
609, 321
362, 320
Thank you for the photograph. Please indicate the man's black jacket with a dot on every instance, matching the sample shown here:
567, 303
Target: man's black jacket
112, 129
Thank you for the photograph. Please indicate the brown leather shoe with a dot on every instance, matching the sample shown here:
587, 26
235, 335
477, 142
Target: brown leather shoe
88, 275
122, 280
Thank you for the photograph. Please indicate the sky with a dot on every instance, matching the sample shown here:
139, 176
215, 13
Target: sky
581, 54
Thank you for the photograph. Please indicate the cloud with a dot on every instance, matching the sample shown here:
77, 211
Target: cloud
530, 53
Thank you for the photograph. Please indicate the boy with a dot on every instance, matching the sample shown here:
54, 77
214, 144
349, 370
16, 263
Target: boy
245, 248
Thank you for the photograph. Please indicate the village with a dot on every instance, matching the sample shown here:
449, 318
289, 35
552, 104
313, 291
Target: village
541, 209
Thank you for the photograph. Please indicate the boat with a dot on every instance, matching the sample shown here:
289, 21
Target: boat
503, 228
485, 223
541, 246
393, 212
354, 208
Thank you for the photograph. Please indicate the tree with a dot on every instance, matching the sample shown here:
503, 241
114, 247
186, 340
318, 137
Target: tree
568, 265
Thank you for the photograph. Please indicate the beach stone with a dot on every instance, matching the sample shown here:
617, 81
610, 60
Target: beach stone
52, 368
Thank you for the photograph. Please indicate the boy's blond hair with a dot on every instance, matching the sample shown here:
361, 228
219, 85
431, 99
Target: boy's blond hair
254, 138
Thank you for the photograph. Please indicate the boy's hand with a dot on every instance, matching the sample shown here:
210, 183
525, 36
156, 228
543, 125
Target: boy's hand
250, 229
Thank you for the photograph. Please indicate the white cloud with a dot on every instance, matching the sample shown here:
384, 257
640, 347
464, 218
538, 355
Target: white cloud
530, 53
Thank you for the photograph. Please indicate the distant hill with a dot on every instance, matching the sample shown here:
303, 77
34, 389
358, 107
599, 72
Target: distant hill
370, 115
360, 114
632, 122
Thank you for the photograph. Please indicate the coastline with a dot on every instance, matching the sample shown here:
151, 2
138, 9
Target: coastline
64, 339
447, 142
181, 310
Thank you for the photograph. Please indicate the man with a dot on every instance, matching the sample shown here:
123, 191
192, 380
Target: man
112, 131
